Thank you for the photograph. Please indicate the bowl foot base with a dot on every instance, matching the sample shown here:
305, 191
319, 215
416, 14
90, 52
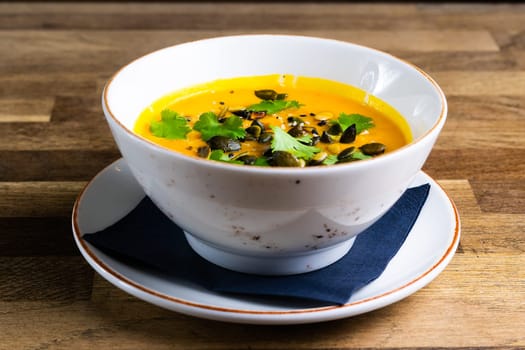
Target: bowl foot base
270, 264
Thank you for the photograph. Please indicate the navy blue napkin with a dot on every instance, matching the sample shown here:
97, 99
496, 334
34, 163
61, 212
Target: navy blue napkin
146, 236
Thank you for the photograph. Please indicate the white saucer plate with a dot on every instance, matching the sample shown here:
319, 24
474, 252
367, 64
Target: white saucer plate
114, 192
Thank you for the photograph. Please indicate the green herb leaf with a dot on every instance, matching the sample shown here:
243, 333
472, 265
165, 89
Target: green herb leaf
208, 125
360, 155
273, 106
282, 141
361, 122
220, 156
330, 159
171, 126
261, 161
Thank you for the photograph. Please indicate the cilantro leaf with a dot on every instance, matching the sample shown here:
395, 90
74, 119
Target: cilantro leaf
208, 125
356, 155
360, 155
330, 159
361, 122
220, 156
261, 161
273, 106
171, 126
282, 141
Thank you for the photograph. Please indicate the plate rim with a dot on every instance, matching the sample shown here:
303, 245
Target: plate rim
254, 316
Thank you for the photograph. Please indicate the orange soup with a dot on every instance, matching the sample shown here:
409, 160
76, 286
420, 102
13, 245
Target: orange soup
274, 120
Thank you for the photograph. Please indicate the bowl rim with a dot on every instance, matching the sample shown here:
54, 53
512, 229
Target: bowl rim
305, 171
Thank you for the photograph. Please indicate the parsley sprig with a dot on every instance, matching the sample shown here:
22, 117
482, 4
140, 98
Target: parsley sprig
209, 126
282, 141
361, 122
171, 126
273, 106
220, 156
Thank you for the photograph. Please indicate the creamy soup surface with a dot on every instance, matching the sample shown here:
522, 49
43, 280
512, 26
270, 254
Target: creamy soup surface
274, 120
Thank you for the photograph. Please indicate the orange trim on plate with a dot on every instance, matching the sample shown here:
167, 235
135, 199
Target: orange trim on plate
87, 249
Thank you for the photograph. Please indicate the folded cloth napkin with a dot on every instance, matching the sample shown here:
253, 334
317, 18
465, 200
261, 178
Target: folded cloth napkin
146, 236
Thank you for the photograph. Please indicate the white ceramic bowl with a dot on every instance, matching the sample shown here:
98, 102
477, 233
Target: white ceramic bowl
272, 220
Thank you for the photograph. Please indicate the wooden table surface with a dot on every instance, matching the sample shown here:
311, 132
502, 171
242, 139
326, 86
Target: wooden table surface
54, 60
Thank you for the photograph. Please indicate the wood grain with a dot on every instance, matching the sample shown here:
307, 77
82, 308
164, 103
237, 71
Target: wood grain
490, 83
38, 199
54, 165
56, 58
59, 279
36, 237
25, 111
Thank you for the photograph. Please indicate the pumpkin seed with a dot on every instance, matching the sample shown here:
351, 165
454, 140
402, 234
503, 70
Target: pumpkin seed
265, 137
266, 94
297, 131
349, 134
373, 149
286, 159
248, 159
254, 130
224, 143
325, 138
318, 158
346, 153
243, 113
258, 123
335, 129
204, 151
294, 121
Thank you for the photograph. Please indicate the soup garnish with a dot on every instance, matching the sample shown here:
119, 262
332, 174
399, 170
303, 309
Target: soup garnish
275, 120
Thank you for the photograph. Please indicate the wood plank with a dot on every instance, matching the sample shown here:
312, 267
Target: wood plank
480, 16
41, 165
477, 134
38, 199
91, 57
492, 234
501, 196
63, 279
484, 232
474, 83
47, 236
485, 109
453, 61
366, 16
505, 163
179, 20
77, 123
26, 110
519, 56
114, 317
208, 8
194, 16
29, 86
460, 191
97, 50
246, 15
492, 122
428, 40
59, 137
